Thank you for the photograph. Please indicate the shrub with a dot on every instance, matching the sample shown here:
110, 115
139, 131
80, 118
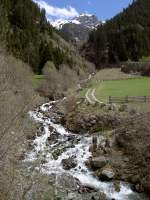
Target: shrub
17, 97
57, 82
70, 104
136, 67
48, 67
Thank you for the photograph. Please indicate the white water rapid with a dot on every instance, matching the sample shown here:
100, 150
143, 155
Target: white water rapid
69, 145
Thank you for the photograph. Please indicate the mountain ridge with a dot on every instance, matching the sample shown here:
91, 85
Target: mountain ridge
77, 30
58, 24
124, 37
30, 37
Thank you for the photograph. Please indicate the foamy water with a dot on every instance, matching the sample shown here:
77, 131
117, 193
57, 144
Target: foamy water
78, 148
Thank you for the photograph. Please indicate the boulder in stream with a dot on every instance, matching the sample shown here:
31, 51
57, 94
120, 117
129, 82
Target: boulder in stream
52, 139
69, 163
106, 174
67, 182
98, 162
87, 196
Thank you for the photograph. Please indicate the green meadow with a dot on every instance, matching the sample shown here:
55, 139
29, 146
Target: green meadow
121, 88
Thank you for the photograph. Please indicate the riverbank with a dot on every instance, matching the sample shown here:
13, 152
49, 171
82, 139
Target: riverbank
59, 152
124, 152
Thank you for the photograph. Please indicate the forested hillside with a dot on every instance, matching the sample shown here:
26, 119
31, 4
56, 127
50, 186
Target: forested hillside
26, 33
124, 37
28, 42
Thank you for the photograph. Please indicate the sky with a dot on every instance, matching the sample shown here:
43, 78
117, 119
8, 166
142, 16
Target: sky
67, 9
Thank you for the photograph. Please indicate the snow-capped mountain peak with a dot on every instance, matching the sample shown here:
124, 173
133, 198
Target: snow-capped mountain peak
87, 20
78, 28
59, 23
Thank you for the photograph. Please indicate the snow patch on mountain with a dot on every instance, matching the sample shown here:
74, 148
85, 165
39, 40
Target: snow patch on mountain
75, 21
59, 23
87, 20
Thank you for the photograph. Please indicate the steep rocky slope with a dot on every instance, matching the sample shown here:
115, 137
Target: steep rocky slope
78, 29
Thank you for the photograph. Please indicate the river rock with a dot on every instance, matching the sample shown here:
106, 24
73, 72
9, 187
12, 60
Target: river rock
98, 162
69, 163
87, 188
93, 147
67, 182
86, 196
94, 140
57, 153
31, 137
53, 138
51, 129
70, 137
106, 174
139, 188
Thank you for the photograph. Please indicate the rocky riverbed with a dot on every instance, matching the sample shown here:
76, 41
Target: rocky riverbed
67, 158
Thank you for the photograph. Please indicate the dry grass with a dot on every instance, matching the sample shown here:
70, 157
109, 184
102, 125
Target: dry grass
56, 83
111, 74
17, 97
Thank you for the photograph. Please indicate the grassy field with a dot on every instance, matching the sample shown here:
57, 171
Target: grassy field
117, 84
121, 88
106, 74
111, 74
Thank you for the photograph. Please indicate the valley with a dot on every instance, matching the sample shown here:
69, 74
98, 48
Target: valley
74, 100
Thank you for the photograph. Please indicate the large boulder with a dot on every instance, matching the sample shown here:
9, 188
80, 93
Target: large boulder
87, 196
106, 174
70, 188
98, 162
67, 182
69, 163
53, 138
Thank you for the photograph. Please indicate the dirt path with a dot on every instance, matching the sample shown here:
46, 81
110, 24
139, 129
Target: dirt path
88, 97
91, 98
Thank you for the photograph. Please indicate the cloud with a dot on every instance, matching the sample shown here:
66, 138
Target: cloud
65, 13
